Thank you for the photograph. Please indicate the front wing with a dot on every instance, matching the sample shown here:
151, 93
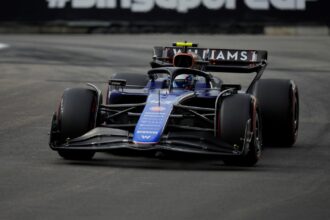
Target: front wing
107, 139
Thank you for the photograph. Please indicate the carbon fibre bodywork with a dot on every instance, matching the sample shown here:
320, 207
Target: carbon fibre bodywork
160, 117
169, 119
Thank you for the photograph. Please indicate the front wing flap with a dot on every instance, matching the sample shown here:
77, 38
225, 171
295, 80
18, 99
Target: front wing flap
107, 139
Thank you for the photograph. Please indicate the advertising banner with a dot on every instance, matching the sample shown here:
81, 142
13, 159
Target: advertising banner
178, 11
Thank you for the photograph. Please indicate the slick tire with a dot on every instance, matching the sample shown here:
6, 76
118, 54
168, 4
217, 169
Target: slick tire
279, 107
233, 114
77, 115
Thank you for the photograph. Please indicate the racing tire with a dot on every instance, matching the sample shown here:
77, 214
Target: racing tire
135, 79
237, 115
279, 107
77, 115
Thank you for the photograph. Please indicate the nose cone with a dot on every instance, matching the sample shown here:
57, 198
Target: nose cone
153, 120
151, 124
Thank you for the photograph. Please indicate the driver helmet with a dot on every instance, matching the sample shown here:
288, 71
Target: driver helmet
183, 81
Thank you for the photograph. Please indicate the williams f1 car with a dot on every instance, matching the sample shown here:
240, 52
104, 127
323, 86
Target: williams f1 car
179, 106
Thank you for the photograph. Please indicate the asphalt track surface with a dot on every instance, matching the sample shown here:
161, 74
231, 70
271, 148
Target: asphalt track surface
288, 183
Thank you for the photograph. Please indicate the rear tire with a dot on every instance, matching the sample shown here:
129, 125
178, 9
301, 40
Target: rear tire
234, 113
77, 115
279, 107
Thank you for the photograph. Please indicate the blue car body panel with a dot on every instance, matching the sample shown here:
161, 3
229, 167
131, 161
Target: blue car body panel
153, 119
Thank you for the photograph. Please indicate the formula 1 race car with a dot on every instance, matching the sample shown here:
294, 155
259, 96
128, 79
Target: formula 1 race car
178, 106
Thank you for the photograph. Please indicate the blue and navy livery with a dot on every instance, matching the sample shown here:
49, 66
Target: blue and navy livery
163, 121
155, 115
164, 110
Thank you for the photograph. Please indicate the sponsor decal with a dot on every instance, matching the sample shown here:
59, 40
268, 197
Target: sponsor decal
181, 6
147, 132
164, 102
171, 52
145, 137
217, 54
229, 55
157, 109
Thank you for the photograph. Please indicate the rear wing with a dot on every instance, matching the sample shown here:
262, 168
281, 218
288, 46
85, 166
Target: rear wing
213, 59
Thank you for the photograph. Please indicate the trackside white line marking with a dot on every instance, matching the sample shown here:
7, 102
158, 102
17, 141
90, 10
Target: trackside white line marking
3, 46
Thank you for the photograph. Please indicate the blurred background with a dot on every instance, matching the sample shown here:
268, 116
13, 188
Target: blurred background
175, 16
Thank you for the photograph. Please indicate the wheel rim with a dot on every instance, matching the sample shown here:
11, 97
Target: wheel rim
295, 116
258, 137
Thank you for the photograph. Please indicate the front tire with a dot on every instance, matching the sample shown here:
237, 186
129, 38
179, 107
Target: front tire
238, 115
76, 116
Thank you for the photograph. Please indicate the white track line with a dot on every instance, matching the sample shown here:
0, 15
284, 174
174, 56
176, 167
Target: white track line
3, 46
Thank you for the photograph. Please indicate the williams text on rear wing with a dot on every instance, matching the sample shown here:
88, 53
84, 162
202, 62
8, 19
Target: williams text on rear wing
213, 59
